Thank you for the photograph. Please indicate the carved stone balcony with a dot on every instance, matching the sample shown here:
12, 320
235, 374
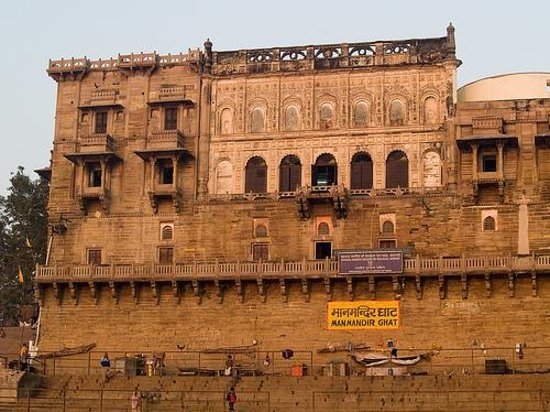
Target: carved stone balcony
86, 194
165, 139
487, 125
307, 196
95, 143
172, 94
165, 191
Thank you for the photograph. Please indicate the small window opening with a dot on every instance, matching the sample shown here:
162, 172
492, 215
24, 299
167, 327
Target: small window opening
323, 250
94, 256
323, 229
167, 232
261, 231
489, 163
94, 175
171, 118
260, 251
387, 227
166, 255
101, 122
489, 224
388, 244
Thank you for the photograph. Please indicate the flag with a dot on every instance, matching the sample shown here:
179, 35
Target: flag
28, 242
20, 276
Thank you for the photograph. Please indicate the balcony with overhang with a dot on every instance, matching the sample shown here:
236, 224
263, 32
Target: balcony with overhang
415, 272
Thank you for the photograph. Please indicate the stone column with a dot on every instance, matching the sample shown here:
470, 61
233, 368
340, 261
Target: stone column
523, 226
474, 161
500, 164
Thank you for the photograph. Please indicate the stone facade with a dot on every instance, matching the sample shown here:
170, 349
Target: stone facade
180, 180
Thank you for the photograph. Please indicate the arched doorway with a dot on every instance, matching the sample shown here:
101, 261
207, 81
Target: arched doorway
290, 174
361, 171
324, 171
256, 176
397, 170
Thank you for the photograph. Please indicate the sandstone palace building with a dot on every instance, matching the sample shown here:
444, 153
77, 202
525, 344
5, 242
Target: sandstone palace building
212, 199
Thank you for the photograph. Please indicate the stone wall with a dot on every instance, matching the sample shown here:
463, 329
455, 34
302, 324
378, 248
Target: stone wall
498, 321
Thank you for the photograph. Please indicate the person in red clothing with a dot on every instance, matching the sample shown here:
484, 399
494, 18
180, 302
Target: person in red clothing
231, 398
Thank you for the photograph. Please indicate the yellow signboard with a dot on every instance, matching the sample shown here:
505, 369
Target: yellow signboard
367, 314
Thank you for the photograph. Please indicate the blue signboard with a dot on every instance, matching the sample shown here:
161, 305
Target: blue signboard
370, 261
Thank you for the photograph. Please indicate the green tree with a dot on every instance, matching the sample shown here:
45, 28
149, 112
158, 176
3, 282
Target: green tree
23, 240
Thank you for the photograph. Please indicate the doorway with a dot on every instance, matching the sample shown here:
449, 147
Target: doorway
323, 250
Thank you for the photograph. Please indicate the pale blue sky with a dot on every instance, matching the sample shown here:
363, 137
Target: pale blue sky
493, 37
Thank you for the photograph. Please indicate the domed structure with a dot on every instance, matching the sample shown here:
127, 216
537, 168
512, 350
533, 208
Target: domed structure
533, 85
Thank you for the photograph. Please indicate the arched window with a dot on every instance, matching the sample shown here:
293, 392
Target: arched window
397, 170
290, 174
261, 231
361, 171
431, 164
388, 228
361, 114
226, 121
292, 119
323, 229
257, 123
224, 178
489, 224
167, 232
256, 176
326, 116
397, 113
324, 171
431, 111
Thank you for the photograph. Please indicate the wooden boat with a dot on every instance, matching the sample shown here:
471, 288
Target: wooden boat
377, 359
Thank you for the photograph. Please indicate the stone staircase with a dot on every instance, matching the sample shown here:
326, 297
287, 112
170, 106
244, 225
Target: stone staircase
274, 394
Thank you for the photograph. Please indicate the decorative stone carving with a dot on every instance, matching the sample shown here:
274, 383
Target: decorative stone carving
226, 121
326, 116
224, 178
257, 122
431, 163
292, 118
397, 113
361, 114
431, 110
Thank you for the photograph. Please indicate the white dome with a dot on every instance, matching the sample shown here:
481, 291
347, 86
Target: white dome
514, 86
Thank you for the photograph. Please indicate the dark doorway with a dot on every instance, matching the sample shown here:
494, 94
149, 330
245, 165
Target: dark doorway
290, 174
324, 171
397, 170
323, 250
361, 171
256, 176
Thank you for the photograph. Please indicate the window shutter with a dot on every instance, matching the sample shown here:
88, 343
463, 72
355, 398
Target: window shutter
284, 179
295, 177
356, 175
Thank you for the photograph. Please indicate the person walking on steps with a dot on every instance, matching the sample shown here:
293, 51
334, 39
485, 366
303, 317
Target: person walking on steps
231, 398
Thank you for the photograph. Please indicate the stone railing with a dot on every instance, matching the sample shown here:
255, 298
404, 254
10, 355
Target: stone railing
355, 193
333, 56
128, 61
298, 269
